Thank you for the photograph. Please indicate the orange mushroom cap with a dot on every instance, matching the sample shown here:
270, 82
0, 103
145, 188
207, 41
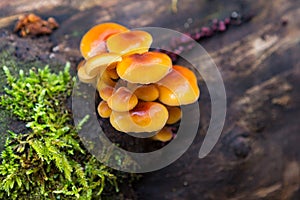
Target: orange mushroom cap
164, 135
94, 41
122, 100
144, 68
179, 87
129, 42
147, 92
104, 81
106, 92
103, 109
174, 114
145, 117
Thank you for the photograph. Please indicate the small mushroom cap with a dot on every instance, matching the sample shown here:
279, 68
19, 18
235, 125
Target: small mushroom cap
147, 92
122, 100
106, 92
33, 18
104, 81
174, 114
179, 87
145, 117
103, 109
83, 76
144, 68
98, 63
164, 135
94, 41
129, 42
112, 72
113, 121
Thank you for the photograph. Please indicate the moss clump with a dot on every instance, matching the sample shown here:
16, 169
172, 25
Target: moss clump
49, 161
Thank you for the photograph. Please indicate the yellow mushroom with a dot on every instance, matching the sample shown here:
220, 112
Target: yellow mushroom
104, 81
145, 117
164, 135
129, 42
98, 63
147, 92
94, 41
112, 72
83, 76
144, 68
179, 87
103, 109
106, 92
122, 100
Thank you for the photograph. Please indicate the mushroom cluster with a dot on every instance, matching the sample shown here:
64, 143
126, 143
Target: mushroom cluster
33, 25
140, 90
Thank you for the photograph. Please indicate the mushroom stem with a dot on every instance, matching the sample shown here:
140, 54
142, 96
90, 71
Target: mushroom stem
97, 64
83, 76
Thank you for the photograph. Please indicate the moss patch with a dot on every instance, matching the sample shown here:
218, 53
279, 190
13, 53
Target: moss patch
48, 162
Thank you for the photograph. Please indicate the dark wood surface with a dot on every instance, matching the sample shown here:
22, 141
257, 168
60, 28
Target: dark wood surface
258, 155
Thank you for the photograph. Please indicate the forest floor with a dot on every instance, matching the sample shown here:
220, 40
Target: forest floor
258, 154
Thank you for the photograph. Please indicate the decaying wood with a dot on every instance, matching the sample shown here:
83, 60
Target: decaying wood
257, 156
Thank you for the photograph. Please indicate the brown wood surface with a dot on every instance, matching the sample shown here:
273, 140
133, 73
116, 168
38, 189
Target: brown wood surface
258, 155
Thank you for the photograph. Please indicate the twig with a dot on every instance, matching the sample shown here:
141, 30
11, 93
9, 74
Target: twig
174, 6
6, 21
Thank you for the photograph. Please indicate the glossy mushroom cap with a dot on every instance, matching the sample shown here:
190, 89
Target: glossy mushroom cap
129, 42
174, 114
106, 92
103, 109
179, 87
104, 81
145, 117
144, 68
147, 92
97, 64
94, 41
164, 135
83, 76
122, 100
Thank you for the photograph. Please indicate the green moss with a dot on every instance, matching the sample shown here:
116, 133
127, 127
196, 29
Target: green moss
48, 162
8, 59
